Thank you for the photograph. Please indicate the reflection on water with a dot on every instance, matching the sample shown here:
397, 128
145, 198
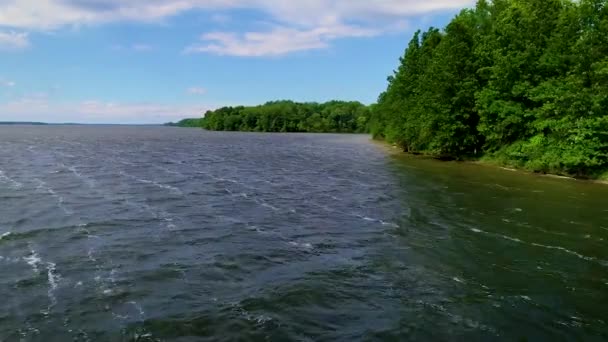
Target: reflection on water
153, 233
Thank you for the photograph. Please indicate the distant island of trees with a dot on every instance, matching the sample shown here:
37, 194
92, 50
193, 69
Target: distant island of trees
7, 123
287, 116
523, 83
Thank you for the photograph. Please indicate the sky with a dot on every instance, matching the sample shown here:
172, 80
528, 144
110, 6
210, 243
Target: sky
155, 61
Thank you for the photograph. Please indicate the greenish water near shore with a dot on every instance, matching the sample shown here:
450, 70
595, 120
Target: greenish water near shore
526, 252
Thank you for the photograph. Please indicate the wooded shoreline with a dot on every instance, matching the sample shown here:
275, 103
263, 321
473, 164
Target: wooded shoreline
519, 83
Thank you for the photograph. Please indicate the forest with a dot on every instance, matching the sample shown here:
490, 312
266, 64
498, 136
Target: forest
522, 83
186, 123
289, 116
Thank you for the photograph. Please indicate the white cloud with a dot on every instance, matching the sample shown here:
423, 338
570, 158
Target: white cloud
14, 40
8, 84
137, 47
141, 47
221, 18
309, 21
45, 14
279, 41
196, 91
40, 108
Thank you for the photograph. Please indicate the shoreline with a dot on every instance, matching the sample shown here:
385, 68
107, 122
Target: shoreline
393, 149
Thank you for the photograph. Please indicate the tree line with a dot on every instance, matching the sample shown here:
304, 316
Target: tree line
187, 123
289, 116
522, 82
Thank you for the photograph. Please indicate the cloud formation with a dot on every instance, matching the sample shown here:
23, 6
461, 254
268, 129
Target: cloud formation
8, 84
12, 40
297, 24
45, 14
196, 91
137, 47
279, 41
141, 47
40, 108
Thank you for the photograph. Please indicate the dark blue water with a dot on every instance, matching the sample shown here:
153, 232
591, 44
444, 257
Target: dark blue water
166, 234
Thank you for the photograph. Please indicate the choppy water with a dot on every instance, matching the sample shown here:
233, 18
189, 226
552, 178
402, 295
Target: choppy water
153, 233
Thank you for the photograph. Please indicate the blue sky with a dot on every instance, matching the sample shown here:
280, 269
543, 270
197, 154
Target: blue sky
153, 61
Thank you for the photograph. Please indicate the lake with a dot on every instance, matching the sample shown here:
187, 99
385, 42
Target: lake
113, 233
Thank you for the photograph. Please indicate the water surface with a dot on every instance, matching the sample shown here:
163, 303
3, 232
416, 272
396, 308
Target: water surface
155, 233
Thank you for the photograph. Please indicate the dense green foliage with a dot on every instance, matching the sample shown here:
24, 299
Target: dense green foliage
288, 116
186, 123
524, 82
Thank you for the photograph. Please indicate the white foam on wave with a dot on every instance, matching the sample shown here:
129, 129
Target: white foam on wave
3, 235
112, 276
42, 186
266, 205
120, 317
53, 280
258, 319
558, 248
159, 185
458, 319
502, 187
154, 183
90, 255
33, 260
257, 229
269, 182
75, 171
222, 179
565, 250
66, 155
11, 182
390, 224
140, 310
458, 280
510, 238
89, 182
305, 245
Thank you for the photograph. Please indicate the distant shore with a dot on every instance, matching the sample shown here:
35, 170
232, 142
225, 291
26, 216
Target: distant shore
25, 123
28, 123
